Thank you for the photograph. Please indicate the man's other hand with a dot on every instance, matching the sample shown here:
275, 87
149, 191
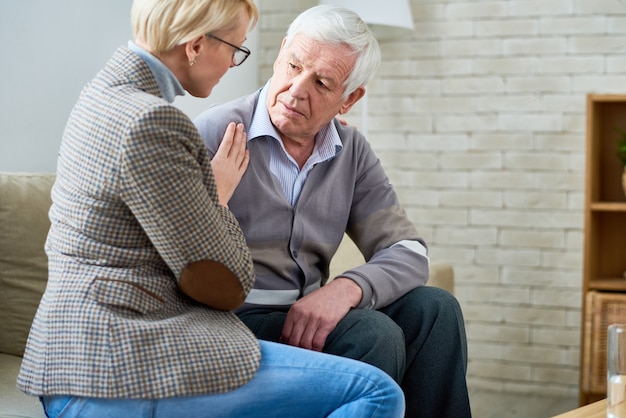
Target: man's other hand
312, 318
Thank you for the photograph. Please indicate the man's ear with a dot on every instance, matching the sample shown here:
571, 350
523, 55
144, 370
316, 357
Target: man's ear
352, 98
193, 48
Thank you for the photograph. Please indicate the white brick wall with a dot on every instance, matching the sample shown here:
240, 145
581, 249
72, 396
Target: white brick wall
478, 116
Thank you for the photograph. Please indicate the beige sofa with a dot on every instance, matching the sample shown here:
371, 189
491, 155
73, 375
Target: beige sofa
24, 204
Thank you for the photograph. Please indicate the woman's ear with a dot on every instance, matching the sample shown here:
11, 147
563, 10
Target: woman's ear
193, 49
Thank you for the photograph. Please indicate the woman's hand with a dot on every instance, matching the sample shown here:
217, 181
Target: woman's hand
230, 162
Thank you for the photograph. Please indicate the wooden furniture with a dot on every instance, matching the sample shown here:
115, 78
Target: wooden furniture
604, 285
594, 410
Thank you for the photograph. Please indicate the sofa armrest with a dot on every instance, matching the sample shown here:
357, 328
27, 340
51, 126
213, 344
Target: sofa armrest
348, 256
442, 276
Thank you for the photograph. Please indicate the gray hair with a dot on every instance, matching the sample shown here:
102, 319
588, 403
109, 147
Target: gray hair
338, 25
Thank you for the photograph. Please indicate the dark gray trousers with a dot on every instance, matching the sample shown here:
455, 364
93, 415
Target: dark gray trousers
419, 340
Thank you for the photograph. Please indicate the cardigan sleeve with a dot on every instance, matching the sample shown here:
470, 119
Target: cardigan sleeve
396, 256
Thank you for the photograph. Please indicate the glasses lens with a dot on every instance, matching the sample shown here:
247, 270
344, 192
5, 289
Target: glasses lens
240, 57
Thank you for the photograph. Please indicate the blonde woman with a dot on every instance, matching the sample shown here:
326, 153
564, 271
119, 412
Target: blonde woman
146, 262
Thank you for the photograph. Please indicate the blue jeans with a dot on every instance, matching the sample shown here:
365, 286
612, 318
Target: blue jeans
290, 382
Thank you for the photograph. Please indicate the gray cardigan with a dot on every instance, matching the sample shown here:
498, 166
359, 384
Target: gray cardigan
292, 246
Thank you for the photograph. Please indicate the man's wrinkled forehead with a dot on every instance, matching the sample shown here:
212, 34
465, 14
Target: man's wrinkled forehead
330, 61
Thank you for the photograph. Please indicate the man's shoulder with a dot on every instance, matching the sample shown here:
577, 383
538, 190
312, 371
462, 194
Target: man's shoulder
212, 123
235, 110
351, 138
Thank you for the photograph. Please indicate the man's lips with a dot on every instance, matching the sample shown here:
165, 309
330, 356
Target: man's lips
291, 110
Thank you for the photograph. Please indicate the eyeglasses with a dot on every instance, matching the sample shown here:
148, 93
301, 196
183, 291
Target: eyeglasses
241, 52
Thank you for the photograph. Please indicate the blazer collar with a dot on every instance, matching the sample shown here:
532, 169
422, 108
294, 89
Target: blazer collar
132, 69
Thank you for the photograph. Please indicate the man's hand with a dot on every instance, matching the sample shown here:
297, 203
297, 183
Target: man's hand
230, 162
312, 318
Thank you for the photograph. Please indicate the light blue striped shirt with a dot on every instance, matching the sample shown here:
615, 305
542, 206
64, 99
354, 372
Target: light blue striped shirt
282, 165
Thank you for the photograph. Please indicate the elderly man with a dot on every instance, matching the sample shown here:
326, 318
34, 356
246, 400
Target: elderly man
310, 179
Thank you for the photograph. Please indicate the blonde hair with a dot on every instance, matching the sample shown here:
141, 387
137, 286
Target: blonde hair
163, 24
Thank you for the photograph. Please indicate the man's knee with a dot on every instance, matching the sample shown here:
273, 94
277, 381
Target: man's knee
372, 337
372, 326
439, 316
424, 302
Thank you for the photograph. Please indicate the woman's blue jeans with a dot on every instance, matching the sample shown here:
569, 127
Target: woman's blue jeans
291, 382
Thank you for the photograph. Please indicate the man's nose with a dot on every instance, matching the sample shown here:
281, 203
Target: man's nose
298, 88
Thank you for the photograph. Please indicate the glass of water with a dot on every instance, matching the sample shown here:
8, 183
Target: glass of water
616, 371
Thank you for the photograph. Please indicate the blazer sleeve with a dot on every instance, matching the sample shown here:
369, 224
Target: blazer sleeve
167, 182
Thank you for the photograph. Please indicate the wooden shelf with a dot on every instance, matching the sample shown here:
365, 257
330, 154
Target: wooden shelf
608, 206
604, 251
610, 285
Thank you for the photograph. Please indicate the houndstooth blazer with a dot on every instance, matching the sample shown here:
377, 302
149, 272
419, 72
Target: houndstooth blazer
134, 203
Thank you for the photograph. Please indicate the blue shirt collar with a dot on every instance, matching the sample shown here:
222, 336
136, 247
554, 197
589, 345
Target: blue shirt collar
327, 142
168, 84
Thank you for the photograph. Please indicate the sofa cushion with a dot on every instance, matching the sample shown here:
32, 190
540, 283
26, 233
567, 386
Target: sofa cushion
24, 204
13, 402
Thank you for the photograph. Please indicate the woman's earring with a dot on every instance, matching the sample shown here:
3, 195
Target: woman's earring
192, 62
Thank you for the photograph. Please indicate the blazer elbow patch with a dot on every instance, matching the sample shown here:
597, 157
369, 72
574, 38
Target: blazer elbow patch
213, 284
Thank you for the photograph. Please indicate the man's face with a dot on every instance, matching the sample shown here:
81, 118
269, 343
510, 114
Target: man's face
306, 90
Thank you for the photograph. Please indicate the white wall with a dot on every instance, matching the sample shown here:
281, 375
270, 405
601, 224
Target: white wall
49, 50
